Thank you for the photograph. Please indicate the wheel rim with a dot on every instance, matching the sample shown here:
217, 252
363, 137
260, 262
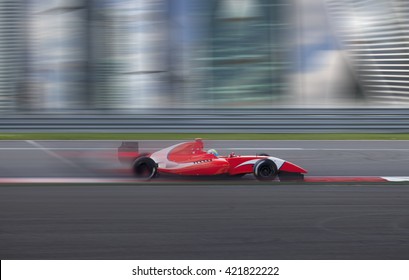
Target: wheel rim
143, 171
265, 171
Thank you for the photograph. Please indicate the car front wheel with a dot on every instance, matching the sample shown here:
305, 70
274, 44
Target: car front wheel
265, 170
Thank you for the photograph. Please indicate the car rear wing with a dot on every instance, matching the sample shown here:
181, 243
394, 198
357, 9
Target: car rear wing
128, 151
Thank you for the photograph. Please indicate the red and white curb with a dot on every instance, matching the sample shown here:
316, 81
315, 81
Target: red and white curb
352, 179
310, 179
396, 179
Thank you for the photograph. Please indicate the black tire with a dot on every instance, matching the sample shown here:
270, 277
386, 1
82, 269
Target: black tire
144, 168
264, 155
265, 170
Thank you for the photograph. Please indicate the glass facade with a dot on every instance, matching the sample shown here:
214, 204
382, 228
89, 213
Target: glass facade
250, 57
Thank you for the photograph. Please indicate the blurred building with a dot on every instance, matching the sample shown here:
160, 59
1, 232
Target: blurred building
157, 53
108, 54
129, 54
375, 38
12, 53
242, 55
57, 54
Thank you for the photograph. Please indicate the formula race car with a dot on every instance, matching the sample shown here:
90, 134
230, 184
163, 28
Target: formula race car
190, 159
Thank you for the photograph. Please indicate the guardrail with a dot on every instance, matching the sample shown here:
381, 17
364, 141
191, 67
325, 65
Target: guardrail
221, 120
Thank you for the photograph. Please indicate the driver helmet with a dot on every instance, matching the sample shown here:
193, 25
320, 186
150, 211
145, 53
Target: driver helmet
213, 152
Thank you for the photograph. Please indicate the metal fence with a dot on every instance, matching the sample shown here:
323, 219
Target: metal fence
281, 120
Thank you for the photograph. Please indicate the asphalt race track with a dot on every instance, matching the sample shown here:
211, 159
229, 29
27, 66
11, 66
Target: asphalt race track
99, 158
205, 220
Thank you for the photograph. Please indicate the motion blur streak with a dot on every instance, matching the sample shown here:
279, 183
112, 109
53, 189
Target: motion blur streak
320, 158
116, 54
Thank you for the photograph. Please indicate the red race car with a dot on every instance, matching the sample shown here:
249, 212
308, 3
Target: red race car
190, 159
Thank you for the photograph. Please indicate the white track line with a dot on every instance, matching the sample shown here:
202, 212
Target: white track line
312, 179
63, 180
312, 149
58, 149
38, 146
51, 153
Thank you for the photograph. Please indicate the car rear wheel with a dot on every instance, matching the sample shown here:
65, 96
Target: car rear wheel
265, 170
144, 168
